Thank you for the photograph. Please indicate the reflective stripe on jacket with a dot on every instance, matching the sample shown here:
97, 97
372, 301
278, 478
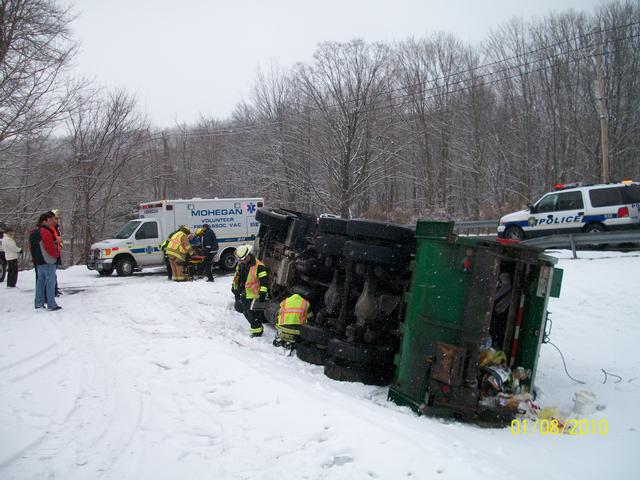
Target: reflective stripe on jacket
177, 248
256, 280
294, 311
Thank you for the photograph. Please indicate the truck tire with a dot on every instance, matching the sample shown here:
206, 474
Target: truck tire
314, 334
124, 266
360, 352
377, 230
330, 246
228, 260
345, 372
333, 225
310, 353
396, 257
272, 219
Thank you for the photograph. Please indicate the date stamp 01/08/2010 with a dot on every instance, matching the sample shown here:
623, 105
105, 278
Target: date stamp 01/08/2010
571, 426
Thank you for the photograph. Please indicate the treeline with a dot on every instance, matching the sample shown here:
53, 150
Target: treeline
428, 127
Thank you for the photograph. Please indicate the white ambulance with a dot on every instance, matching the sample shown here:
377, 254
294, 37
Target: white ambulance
137, 244
575, 208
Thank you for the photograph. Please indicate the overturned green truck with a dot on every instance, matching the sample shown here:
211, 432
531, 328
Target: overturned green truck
453, 324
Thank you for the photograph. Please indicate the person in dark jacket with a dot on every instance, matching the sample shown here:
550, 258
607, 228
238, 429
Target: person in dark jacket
34, 245
210, 246
3, 260
46, 272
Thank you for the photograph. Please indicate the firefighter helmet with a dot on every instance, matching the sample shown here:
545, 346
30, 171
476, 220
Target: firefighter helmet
243, 251
184, 229
199, 231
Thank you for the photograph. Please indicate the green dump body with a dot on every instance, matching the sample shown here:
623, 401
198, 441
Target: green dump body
463, 292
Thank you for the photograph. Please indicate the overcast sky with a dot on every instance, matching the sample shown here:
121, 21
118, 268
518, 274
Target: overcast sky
184, 59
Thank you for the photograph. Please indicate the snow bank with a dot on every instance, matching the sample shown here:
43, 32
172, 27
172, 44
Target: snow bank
141, 378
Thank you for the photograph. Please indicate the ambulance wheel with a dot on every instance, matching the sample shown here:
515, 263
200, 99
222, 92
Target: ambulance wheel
595, 228
310, 353
228, 260
105, 273
514, 233
124, 266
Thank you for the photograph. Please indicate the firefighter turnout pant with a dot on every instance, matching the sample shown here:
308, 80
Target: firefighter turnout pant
255, 319
177, 270
167, 262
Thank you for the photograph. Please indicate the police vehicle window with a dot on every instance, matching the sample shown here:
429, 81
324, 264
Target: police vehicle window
606, 197
127, 230
547, 204
148, 230
631, 194
569, 201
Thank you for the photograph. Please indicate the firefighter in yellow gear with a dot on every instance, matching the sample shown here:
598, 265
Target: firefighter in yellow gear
177, 250
249, 284
294, 312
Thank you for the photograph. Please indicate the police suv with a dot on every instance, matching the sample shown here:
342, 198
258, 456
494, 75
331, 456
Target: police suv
574, 208
137, 244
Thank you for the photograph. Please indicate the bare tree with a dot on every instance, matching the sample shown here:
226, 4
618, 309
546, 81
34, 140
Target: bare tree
35, 49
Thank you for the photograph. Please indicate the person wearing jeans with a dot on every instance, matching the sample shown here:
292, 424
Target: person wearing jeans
46, 282
46, 271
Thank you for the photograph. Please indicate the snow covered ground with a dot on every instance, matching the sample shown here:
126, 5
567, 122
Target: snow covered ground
141, 378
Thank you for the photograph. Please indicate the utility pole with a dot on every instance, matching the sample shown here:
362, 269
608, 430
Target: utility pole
602, 108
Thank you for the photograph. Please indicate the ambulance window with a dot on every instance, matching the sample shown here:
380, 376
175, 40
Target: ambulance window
127, 230
547, 204
570, 201
147, 230
606, 197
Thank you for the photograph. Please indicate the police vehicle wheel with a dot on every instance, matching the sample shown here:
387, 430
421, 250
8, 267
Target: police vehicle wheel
595, 228
514, 233
310, 353
105, 273
124, 267
378, 230
228, 260
360, 352
396, 257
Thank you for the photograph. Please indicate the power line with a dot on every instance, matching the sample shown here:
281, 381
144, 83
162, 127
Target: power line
428, 93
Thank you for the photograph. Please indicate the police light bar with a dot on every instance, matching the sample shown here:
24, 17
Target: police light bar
563, 186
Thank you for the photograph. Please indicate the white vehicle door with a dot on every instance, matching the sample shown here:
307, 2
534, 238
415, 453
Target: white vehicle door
560, 212
146, 244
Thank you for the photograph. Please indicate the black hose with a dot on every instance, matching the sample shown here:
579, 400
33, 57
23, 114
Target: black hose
565, 363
